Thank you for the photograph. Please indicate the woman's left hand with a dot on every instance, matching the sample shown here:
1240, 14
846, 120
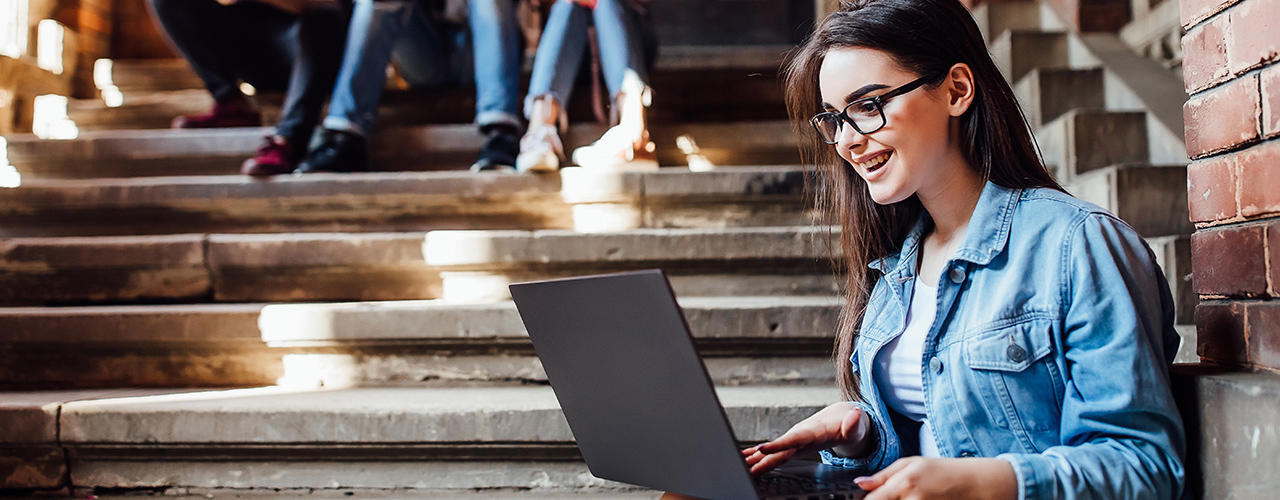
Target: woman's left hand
917, 478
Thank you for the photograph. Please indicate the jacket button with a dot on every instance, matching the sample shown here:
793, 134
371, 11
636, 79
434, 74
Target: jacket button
935, 364
956, 275
1016, 353
966, 454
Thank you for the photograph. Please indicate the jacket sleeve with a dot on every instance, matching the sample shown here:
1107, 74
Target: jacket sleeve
883, 455
1121, 432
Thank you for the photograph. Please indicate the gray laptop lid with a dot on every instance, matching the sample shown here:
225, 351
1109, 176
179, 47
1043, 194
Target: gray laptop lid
638, 399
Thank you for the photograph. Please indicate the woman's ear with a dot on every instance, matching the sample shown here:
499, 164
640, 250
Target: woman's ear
960, 89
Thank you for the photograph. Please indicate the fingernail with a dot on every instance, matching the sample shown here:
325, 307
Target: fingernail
861, 480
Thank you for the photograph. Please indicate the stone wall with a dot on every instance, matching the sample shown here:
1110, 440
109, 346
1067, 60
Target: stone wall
1232, 72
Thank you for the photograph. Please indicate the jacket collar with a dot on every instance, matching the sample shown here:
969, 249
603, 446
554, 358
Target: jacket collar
986, 236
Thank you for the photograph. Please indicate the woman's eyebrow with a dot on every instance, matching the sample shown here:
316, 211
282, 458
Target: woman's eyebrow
857, 94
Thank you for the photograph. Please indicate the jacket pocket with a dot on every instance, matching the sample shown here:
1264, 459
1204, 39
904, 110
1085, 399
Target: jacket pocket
1016, 378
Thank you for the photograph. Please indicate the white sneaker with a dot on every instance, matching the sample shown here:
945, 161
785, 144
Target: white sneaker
540, 150
616, 150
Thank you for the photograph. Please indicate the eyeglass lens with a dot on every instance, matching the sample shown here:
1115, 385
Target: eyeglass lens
866, 116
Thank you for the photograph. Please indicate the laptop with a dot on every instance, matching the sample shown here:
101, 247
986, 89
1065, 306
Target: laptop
620, 358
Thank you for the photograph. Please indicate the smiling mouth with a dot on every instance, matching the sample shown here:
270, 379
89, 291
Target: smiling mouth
875, 163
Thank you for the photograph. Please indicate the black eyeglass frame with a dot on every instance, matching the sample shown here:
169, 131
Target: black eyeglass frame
878, 100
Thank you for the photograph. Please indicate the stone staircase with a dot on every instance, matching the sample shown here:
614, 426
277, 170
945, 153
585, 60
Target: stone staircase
170, 328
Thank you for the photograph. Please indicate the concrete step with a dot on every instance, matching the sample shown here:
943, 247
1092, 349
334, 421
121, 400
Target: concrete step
452, 439
755, 261
994, 18
1173, 254
405, 201
457, 265
1047, 93
1151, 198
605, 201
219, 267
1233, 440
1017, 52
189, 345
144, 153
781, 340
31, 457
130, 76
1082, 140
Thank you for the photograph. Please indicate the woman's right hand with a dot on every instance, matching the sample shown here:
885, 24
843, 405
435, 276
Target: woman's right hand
842, 426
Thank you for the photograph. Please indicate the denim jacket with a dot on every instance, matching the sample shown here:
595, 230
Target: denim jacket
1051, 350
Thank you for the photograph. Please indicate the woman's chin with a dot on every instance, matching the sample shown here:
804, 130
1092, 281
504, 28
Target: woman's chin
884, 195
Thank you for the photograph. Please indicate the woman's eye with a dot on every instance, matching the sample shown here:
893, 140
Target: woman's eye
865, 108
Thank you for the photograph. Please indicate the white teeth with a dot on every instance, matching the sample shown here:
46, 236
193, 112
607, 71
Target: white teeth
873, 163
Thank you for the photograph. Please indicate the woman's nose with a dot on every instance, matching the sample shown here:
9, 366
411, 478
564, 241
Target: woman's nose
848, 137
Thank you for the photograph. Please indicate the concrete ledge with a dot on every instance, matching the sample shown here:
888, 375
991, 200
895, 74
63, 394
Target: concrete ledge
1233, 437
1045, 94
384, 415
78, 326
1151, 198
1088, 139
50, 270
405, 201
1018, 51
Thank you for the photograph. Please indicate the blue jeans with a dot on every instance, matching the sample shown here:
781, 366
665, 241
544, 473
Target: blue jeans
428, 54
262, 46
622, 32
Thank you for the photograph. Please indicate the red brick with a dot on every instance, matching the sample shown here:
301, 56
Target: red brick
1273, 258
1253, 34
1271, 101
1204, 55
1211, 189
1194, 11
1229, 261
1223, 117
1262, 325
1220, 333
1258, 169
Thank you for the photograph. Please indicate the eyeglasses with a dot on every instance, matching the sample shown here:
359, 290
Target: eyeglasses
866, 115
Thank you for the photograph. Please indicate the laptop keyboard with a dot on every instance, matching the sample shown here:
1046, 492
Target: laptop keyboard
803, 488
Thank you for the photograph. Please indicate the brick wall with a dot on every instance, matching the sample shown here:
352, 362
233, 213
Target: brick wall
1232, 70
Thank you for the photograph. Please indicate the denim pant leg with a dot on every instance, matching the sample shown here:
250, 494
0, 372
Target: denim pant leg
495, 38
225, 44
619, 31
555, 66
374, 28
318, 54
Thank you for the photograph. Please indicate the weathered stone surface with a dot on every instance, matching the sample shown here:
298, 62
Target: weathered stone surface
320, 266
406, 477
1151, 198
274, 415
1082, 140
407, 201
1234, 439
1173, 254
32, 467
31, 417
287, 325
495, 250
1047, 93
994, 18
102, 269
72, 326
1016, 52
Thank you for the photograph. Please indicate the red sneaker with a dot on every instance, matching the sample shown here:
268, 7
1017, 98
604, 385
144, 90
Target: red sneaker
275, 156
230, 112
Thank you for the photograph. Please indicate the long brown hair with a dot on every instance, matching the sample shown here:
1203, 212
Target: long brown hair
924, 37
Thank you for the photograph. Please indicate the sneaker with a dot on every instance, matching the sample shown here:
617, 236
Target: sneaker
499, 151
276, 156
540, 150
338, 152
616, 150
230, 112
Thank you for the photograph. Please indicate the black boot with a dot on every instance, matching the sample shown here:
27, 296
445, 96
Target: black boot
500, 149
338, 152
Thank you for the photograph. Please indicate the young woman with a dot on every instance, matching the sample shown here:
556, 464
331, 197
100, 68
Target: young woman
1000, 338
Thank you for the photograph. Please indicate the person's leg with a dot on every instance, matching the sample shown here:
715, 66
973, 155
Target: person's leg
622, 58
195, 29
313, 44
496, 37
555, 67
